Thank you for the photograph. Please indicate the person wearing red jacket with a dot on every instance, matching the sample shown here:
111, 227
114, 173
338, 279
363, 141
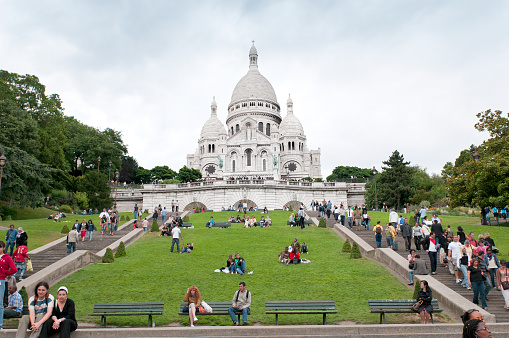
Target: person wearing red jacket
7, 268
20, 257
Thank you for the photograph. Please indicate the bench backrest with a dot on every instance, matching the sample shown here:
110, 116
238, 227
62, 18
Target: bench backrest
216, 306
129, 307
396, 303
300, 305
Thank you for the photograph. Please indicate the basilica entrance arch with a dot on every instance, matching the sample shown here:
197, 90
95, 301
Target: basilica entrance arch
195, 205
250, 204
294, 204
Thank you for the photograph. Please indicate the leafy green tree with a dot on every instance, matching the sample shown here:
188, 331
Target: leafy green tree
394, 183
29, 94
95, 185
128, 169
143, 175
188, 174
163, 173
426, 187
342, 172
484, 182
25, 179
18, 128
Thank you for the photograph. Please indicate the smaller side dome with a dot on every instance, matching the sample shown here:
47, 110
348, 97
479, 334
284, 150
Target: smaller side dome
213, 127
290, 126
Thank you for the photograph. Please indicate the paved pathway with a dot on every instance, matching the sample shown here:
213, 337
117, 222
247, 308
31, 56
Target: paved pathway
495, 300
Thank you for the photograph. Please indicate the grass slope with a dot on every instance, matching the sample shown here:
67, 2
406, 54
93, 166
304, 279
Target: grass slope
151, 273
42, 231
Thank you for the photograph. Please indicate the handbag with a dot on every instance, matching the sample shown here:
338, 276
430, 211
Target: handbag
416, 306
185, 309
505, 284
201, 309
30, 268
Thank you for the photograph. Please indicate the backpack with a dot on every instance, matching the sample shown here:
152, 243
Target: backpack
378, 230
388, 232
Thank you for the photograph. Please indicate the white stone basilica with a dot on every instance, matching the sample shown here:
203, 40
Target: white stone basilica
256, 142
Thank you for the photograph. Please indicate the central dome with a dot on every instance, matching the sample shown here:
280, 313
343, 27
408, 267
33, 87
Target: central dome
253, 85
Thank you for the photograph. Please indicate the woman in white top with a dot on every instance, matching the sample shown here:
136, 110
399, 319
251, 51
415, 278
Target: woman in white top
40, 308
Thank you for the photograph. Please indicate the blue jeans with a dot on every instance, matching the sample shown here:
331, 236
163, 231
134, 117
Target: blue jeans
21, 266
90, 233
233, 314
71, 247
478, 288
487, 286
11, 246
135, 215
232, 268
378, 240
164, 218
411, 276
389, 241
173, 241
2, 291
350, 222
493, 273
465, 276
366, 224
342, 220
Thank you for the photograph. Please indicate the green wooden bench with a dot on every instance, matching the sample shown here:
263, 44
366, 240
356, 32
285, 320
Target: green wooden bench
306, 221
127, 309
218, 309
297, 307
220, 224
383, 306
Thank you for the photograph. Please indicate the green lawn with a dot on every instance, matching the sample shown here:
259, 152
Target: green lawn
42, 231
151, 273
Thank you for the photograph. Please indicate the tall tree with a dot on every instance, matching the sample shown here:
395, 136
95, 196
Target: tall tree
393, 183
25, 179
342, 172
128, 169
188, 174
163, 172
484, 182
95, 185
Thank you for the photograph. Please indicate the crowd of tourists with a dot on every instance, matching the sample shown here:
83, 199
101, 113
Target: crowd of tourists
291, 254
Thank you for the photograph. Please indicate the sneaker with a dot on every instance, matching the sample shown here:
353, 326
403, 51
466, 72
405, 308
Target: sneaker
244, 324
469, 288
433, 273
192, 325
458, 281
195, 319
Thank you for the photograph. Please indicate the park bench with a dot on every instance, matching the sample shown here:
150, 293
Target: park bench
219, 224
127, 309
306, 221
218, 309
186, 225
383, 306
297, 307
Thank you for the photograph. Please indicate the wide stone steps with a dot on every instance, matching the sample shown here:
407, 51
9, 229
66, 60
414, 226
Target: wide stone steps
495, 300
53, 254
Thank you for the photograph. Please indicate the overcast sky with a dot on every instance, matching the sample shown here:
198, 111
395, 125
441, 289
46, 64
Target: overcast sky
366, 77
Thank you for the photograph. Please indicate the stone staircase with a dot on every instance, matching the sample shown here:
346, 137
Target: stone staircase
495, 300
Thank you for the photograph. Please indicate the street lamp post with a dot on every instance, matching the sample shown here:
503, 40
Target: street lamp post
117, 174
374, 171
3, 160
109, 171
98, 163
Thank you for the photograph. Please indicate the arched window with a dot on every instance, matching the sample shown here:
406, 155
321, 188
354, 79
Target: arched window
233, 166
213, 148
209, 148
232, 130
267, 129
248, 157
237, 128
289, 145
293, 145
264, 165
260, 126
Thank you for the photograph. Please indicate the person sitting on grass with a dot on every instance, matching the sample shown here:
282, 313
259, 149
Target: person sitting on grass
294, 257
252, 222
230, 264
231, 219
246, 222
165, 231
262, 222
240, 263
304, 248
188, 248
284, 256
292, 220
268, 221
238, 219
